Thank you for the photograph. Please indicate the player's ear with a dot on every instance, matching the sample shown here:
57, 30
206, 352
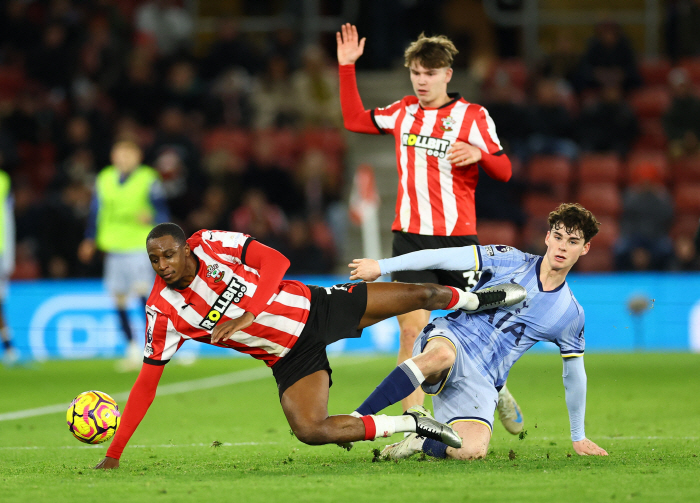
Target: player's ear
448, 75
586, 247
546, 238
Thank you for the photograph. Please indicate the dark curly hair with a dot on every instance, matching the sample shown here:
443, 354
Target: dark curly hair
574, 217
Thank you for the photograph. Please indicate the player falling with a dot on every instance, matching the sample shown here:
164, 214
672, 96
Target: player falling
464, 358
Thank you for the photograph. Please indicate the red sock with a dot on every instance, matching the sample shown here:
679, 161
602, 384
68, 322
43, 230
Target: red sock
454, 299
370, 427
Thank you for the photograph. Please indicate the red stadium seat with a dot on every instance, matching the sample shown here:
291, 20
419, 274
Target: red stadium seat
686, 197
235, 141
514, 68
692, 66
655, 71
553, 171
594, 168
686, 169
603, 199
539, 206
655, 157
498, 232
685, 225
652, 135
596, 260
11, 81
650, 102
329, 140
608, 232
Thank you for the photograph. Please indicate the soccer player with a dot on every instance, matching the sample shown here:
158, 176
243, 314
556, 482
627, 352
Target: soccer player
226, 289
7, 264
128, 200
464, 358
439, 138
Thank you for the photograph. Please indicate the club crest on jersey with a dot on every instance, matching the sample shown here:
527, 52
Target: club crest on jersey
503, 248
213, 272
233, 293
436, 147
447, 123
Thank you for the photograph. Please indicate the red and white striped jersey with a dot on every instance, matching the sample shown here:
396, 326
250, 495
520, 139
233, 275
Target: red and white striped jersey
435, 197
221, 290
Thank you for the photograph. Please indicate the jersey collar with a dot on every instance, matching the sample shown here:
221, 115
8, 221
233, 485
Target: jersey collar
453, 97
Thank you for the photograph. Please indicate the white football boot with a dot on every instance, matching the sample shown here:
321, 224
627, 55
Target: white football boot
410, 445
509, 412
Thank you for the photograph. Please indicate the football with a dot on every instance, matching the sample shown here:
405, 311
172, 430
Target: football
93, 417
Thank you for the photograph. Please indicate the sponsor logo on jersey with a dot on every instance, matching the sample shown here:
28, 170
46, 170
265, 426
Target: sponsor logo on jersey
489, 250
447, 123
503, 248
212, 272
233, 293
436, 147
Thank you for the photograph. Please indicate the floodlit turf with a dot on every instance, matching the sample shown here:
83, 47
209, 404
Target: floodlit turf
642, 408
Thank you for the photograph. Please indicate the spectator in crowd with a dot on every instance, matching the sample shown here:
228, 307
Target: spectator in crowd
229, 101
316, 90
507, 110
682, 34
212, 213
647, 214
608, 61
52, 63
138, 93
270, 97
562, 61
230, 50
608, 124
304, 255
682, 119
166, 22
551, 125
261, 219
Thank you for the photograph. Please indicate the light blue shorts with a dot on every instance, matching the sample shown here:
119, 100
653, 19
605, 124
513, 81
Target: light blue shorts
128, 273
465, 394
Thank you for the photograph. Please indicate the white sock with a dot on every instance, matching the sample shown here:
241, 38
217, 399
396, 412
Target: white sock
404, 423
467, 300
386, 426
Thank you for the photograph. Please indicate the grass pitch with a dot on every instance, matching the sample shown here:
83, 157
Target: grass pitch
642, 408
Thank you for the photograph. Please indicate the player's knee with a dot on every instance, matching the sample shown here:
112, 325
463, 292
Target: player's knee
408, 335
311, 433
468, 452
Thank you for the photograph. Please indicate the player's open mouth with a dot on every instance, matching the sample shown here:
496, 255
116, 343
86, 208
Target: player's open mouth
560, 258
167, 276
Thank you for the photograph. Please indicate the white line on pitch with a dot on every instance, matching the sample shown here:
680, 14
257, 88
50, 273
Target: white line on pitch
177, 446
173, 389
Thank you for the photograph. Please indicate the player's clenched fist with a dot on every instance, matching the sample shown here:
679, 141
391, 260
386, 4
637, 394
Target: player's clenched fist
350, 46
463, 154
587, 448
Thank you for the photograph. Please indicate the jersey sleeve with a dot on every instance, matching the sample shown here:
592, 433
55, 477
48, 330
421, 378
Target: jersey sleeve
386, 118
162, 340
499, 260
229, 245
482, 132
571, 341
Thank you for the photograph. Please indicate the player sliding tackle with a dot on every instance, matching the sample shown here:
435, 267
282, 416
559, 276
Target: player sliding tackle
464, 358
226, 289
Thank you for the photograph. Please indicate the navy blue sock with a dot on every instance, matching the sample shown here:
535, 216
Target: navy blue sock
124, 321
434, 448
400, 383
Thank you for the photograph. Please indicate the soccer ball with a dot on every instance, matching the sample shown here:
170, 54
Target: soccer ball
93, 417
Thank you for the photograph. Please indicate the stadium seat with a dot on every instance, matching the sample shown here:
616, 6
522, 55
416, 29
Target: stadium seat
286, 144
655, 71
655, 157
552, 171
329, 140
692, 66
686, 198
595, 168
235, 141
651, 135
608, 232
603, 199
596, 260
11, 81
686, 169
539, 206
498, 232
514, 68
650, 102
685, 225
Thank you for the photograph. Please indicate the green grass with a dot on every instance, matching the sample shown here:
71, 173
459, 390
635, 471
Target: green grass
642, 408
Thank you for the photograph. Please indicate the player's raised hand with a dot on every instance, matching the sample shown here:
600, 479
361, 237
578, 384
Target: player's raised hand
365, 269
350, 46
107, 463
463, 154
587, 448
224, 331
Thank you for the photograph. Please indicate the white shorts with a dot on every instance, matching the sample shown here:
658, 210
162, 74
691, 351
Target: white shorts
465, 394
128, 273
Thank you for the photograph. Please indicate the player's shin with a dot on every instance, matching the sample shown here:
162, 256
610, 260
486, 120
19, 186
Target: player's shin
400, 383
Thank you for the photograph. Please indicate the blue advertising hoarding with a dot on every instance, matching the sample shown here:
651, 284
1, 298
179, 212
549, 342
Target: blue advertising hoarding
76, 319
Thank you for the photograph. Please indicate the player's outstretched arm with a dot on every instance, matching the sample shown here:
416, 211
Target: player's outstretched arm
587, 448
350, 46
142, 394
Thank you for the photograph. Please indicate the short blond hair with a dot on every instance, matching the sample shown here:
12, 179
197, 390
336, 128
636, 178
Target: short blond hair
431, 52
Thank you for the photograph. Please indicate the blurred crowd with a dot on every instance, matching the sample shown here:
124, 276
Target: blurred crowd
245, 135
246, 132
